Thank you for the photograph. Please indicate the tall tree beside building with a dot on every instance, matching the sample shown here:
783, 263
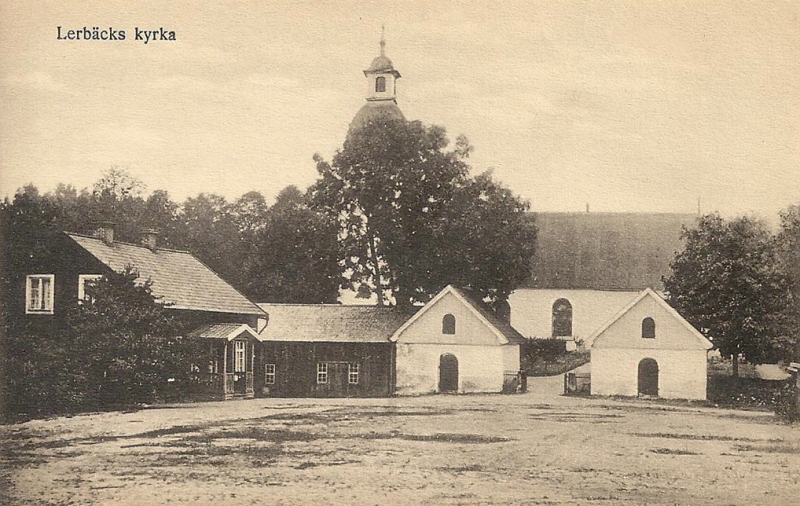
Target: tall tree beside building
398, 194
728, 283
295, 255
211, 234
789, 252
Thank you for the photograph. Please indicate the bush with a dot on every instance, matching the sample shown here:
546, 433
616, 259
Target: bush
546, 357
548, 350
786, 401
117, 349
738, 392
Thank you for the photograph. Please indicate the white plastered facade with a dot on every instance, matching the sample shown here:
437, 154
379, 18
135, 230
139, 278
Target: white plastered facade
484, 357
532, 309
618, 347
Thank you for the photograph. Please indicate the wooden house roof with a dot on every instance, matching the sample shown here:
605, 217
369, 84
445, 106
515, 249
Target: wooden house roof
178, 277
605, 251
331, 323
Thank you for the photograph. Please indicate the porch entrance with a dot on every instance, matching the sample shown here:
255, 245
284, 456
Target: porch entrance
648, 377
448, 373
240, 367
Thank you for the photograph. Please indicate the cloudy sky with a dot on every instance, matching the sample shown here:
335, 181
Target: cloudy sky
628, 106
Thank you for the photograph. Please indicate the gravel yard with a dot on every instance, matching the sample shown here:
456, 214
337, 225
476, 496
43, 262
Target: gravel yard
536, 448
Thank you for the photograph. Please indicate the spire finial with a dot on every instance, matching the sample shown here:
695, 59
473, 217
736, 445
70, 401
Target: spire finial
383, 40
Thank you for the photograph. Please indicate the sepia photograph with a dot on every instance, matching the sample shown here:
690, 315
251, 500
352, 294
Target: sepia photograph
401, 252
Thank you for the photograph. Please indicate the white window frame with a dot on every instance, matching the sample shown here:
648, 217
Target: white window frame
352, 373
269, 374
46, 300
82, 279
239, 356
322, 373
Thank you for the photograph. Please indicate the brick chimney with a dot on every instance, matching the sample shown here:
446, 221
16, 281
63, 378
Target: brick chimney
105, 231
150, 239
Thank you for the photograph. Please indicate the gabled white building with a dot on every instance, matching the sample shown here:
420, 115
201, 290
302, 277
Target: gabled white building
456, 343
648, 348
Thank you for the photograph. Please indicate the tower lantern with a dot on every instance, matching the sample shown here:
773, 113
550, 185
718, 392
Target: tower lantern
381, 92
381, 76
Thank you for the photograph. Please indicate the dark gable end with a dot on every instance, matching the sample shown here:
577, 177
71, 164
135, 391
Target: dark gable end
605, 251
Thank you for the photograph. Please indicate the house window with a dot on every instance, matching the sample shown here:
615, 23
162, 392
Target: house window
562, 318
39, 293
380, 84
322, 372
648, 328
352, 374
449, 324
82, 280
239, 363
269, 374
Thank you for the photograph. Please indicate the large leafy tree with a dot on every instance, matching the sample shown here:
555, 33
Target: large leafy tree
295, 254
728, 283
132, 344
789, 253
211, 233
409, 215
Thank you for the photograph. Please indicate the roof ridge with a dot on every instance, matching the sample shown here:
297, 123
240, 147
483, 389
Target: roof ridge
617, 213
171, 250
326, 304
227, 283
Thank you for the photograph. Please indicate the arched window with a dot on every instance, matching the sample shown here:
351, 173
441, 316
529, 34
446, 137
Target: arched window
648, 328
380, 84
449, 324
562, 318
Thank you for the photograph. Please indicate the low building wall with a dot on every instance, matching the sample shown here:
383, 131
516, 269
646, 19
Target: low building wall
681, 373
480, 368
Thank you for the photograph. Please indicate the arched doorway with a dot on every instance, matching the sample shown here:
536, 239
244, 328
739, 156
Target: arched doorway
448, 373
648, 377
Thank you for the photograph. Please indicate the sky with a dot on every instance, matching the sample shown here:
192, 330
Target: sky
622, 106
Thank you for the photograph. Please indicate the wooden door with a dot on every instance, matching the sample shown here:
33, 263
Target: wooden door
448, 373
338, 379
648, 377
240, 366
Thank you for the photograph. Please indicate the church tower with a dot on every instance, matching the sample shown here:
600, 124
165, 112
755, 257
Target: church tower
381, 92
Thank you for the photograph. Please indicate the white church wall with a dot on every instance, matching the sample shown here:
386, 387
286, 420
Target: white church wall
532, 309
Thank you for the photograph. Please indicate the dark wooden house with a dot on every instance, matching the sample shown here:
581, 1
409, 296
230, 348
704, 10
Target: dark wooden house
55, 274
321, 350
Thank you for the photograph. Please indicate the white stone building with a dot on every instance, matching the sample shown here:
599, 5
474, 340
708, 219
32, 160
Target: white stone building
589, 265
648, 348
456, 343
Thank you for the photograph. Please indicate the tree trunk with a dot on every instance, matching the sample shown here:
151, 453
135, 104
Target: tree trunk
735, 363
377, 272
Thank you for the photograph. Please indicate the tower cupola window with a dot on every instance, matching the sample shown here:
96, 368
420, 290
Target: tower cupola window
380, 84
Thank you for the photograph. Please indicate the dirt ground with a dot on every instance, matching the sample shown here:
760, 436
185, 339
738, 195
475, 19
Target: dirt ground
536, 448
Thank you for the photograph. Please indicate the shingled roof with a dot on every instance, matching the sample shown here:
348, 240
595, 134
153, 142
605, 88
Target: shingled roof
225, 331
605, 251
178, 277
331, 323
